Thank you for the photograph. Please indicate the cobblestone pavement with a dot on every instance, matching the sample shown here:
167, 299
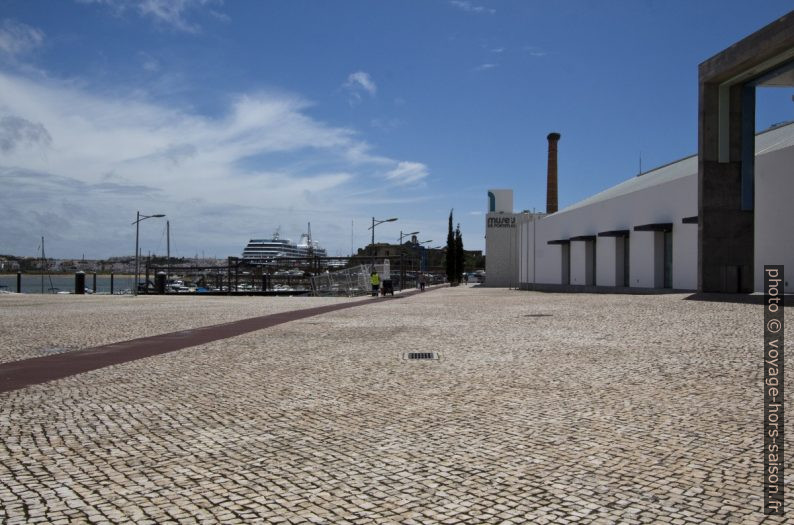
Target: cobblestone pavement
544, 408
36, 325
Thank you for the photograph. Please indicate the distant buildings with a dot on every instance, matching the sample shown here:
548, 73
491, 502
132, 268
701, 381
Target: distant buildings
8, 265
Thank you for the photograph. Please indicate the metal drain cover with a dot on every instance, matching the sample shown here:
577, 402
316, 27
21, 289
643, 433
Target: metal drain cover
413, 356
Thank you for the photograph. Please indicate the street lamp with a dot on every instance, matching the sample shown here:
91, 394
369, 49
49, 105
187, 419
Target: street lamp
402, 266
375, 222
137, 223
406, 235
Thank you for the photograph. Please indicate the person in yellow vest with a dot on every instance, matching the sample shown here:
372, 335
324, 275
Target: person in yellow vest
374, 280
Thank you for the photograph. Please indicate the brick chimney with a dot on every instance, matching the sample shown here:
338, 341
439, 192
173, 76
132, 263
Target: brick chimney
551, 180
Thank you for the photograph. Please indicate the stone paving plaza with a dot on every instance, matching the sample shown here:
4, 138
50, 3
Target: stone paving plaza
544, 408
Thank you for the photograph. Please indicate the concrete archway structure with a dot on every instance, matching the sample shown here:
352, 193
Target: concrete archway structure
726, 146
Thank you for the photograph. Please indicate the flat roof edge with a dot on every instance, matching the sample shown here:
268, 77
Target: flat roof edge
764, 44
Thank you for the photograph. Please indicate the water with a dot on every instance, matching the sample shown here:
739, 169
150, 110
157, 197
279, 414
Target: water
31, 283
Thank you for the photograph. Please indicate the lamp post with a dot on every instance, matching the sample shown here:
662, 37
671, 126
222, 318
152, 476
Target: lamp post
402, 267
137, 223
375, 222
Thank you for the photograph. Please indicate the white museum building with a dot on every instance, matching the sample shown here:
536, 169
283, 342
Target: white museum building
641, 234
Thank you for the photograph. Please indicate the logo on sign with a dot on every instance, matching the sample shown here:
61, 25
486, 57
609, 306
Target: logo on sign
501, 222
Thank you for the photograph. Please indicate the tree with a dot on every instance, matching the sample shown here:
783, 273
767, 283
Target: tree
450, 259
460, 255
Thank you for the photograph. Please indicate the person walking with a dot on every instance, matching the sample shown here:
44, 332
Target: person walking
422, 282
374, 280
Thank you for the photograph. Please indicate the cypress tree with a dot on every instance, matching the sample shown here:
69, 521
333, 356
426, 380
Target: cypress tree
450, 255
459, 254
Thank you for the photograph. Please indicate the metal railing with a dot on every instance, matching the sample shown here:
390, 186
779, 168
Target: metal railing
350, 282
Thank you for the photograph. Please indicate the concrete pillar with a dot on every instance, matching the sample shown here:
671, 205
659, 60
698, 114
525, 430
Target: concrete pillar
725, 230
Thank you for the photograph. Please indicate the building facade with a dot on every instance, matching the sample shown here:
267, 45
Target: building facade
642, 233
502, 244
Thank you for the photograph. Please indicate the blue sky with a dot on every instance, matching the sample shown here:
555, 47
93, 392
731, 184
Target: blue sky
238, 117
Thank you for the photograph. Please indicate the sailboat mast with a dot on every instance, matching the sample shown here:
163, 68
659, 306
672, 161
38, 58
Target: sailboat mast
42, 264
311, 245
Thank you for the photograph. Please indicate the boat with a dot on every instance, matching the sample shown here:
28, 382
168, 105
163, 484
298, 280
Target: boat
266, 251
309, 247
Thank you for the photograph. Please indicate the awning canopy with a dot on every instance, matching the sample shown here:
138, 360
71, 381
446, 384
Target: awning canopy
655, 227
614, 233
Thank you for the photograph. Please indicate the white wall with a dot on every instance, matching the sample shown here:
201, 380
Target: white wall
774, 215
526, 238
642, 259
501, 249
669, 201
609, 261
508, 239
668, 198
582, 263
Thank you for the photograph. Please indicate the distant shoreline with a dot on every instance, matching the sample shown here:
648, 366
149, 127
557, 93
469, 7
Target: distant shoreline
104, 274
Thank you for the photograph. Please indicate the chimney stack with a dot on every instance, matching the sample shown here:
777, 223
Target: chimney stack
551, 180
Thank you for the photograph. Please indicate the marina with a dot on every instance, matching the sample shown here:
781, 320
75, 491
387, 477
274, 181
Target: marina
64, 283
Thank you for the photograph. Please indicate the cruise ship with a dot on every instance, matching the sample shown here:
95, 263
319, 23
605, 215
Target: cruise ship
265, 251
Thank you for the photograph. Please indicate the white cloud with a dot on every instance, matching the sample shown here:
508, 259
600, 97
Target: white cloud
18, 132
357, 83
173, 13
363, 80
485, 67
407, 173
18, 39
386, 124
80, 165
149, 63
472, 8
535, 51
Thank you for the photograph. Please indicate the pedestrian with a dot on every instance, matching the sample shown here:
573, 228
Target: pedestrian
422, 282
374, 280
